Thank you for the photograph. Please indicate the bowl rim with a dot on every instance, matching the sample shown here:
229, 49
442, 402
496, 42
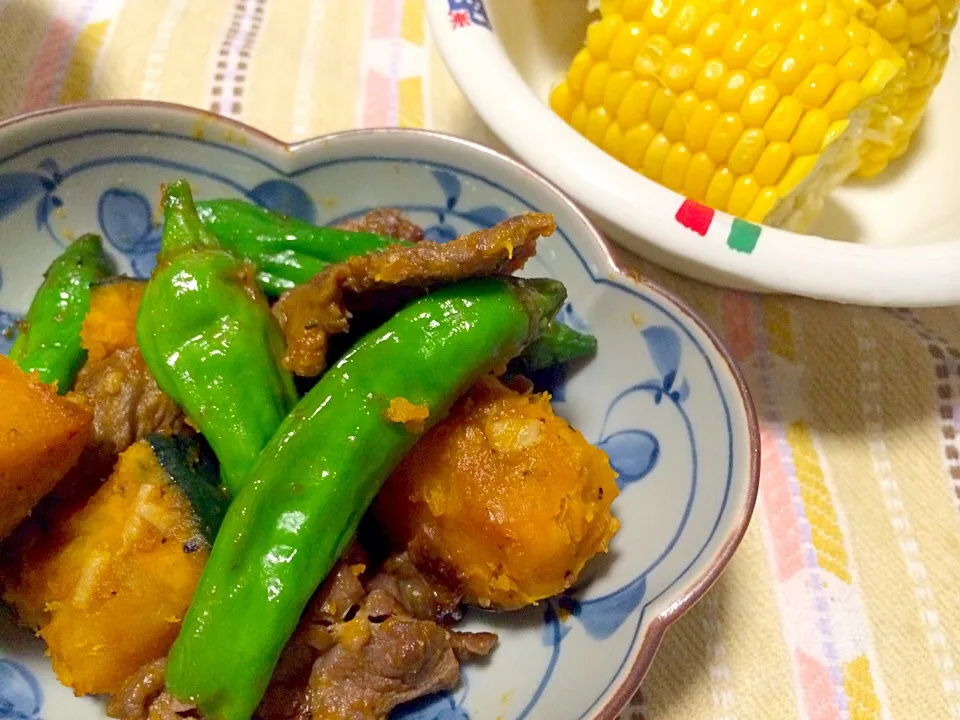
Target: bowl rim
654, 226
658, 625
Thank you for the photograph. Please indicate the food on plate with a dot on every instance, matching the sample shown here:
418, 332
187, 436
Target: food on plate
41, 438
107, 590
49, 341
312, 483
111, 322
206, 333
504, 499
289, 252
210, 554
312, 312
758, 108
920, 33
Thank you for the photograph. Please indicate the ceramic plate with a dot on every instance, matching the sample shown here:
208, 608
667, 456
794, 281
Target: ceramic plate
662, 397
891, 241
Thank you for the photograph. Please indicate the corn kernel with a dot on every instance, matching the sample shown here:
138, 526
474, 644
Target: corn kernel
758, 13
811, 10
682, 68
791, 68
763, 205
713, 35
613, 141
759, 103
674, 127
912, 6
597, 123
854, 64
658, 13
578, 118
765, 58
685, 25
741, 47
656, 156
745, 154
845, 98
579, 68
733, 90
699, 173
675, 166
725, 133
924, 24
600, 35
784, 119
563, 100
635, 143
660, 107
595, 83
783, 26
626, 46
834, 132
891, 21
879, 76
633, 9
774, 160
710, 78
830, 46
687, 104
616, 90
745, 192
654, 54
719, 189
800, 168
810, 132
817, 86
701, 125
806, 35
636, 103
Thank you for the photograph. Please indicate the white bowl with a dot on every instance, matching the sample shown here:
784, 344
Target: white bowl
893, 241
662, 396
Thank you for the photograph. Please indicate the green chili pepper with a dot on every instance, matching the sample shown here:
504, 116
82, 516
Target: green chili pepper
558, 344
288, 252
208, 338
49, 341
320, 472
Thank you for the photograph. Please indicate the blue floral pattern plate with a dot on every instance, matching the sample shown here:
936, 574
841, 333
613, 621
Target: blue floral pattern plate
661, 397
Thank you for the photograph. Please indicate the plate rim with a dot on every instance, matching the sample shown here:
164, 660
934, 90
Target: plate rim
644, 653
781, 262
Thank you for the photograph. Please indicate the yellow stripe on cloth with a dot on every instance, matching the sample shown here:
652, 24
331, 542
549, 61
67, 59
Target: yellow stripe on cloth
79, 74
858, 684
827, 537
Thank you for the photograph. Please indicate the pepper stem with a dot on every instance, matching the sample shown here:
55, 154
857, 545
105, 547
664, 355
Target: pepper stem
542, 298
182, 229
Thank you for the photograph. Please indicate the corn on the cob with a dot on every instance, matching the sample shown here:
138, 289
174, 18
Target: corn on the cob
919, 30
756, 107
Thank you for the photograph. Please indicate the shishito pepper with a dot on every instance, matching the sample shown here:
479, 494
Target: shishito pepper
49, 342
322, 469
207, 335
289, 252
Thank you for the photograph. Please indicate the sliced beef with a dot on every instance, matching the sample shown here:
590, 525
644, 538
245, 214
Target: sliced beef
368, 643
127, 405
309, 314
385, 221
395, 661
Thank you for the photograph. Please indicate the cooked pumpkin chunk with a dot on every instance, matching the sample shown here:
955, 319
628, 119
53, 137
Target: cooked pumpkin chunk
109, 588
41, 437
111, 323
503, 499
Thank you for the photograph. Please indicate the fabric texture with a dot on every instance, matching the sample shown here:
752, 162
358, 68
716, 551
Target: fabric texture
843, 599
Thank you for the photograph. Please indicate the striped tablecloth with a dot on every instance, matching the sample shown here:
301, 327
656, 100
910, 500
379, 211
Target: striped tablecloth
844, 600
